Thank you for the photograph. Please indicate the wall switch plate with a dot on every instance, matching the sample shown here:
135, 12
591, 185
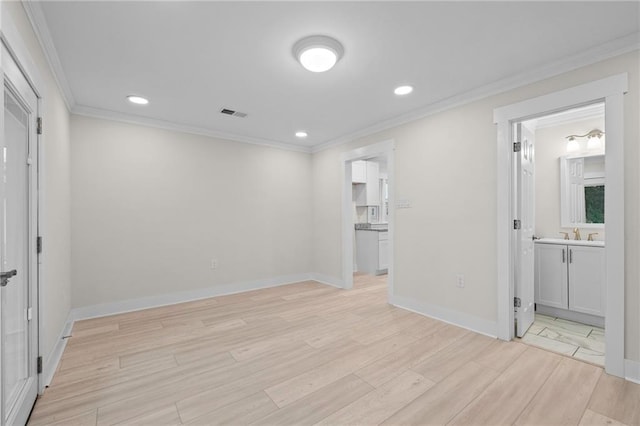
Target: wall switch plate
403, 204
214, 264
460, 281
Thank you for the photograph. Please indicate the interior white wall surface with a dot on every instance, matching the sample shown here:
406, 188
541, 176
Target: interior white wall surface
55, 281
550, 145
152, 208
446, 167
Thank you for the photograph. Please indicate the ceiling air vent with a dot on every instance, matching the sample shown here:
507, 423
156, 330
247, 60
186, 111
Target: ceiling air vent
227, 111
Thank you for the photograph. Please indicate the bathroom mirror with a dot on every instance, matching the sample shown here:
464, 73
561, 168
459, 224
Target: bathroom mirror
582, 189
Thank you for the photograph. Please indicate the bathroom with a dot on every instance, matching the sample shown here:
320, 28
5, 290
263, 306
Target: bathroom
568, 236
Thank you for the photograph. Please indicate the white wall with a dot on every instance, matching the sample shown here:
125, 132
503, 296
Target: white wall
550, 145
56, 266
152, 207
446, 167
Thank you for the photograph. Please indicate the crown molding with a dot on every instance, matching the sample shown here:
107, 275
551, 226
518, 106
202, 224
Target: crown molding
168, 125
35, 14
591, 56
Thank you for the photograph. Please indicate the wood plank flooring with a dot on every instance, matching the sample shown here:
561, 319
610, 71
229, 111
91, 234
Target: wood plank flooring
307, 354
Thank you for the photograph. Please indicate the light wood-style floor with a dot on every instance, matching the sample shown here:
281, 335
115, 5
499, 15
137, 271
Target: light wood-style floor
307, 354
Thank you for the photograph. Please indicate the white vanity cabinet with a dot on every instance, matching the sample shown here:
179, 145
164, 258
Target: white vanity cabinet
570, 276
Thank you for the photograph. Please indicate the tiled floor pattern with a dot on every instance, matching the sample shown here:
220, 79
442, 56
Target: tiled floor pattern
571, 338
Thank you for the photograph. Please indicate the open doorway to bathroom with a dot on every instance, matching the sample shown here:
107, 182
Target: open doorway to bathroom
368, 219
567, 162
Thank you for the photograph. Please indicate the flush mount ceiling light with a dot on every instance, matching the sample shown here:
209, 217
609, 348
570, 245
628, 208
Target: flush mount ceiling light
301, 134
594, 140
138, 100
318, 53
403, 90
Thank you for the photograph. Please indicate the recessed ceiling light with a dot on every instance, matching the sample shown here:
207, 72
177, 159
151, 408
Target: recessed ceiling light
403, 90
318, 53
139, 100
301, 134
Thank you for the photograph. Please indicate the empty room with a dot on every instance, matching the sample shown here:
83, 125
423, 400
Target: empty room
305, 213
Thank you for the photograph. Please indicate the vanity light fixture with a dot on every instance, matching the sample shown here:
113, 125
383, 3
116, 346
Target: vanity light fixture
318, 53
301, 134
594, 140
403, 90
138, 100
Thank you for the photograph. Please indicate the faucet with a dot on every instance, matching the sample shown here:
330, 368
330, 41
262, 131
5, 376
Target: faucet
576, 232
566, 235
590, 238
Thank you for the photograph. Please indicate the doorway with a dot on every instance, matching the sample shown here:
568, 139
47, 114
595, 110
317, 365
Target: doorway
367, 205
608, 91
561, 187
18, 245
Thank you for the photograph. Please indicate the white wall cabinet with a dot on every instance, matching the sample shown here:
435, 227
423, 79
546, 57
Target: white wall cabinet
366, 175
570, 277
372, 251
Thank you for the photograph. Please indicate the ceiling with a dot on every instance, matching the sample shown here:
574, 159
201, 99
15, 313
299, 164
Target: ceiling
191, 59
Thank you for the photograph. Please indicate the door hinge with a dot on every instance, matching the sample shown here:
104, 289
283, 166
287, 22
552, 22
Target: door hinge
516, 302
29, 314
517, 146
39, 245
39, 125
517, 224
39, 365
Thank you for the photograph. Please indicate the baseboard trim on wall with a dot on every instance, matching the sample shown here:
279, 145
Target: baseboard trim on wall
327, 279
632, 371
51, 363
130, 305
460, 319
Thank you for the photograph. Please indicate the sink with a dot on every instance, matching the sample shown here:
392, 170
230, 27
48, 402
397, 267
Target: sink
570, 242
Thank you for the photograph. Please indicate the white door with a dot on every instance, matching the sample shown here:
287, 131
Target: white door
525, 205
18, 255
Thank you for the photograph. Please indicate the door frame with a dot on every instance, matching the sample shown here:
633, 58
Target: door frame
11, 38
609, 90
381, 149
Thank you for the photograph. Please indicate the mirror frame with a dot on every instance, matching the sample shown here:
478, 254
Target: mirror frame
565, 191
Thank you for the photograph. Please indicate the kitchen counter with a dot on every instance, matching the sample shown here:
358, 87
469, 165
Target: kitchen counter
373, 229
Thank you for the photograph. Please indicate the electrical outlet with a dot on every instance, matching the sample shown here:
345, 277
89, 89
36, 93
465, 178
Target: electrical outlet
460, 281
214, 264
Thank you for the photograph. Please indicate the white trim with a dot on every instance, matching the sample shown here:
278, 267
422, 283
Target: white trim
457, 318
167, 125
327, 279
610, 90
35, 14
380, 149
53, 360
130, 305
632, 371
605, 51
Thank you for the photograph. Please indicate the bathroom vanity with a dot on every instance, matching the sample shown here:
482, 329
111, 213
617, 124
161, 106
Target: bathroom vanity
570, 279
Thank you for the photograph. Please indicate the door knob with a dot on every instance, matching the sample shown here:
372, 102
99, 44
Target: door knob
5, 276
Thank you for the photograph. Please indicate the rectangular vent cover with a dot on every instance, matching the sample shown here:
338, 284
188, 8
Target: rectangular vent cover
227, 111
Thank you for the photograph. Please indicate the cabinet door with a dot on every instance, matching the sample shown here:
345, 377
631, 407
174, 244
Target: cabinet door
550, 276
359, 172
383, 254
587, 280
373, 184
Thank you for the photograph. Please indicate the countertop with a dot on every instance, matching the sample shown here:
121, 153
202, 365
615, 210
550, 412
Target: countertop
570, 242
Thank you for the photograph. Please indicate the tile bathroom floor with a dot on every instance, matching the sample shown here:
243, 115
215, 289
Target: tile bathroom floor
581, 341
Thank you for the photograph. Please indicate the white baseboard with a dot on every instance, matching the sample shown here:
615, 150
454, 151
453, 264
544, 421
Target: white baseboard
327, 279
460, 319
632, 371
51, 363
130, 305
